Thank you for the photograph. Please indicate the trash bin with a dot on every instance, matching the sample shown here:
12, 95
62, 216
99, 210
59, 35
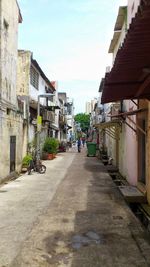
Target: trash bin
91, 149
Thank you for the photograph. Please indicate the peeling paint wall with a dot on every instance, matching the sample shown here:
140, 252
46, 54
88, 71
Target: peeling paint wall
10, 118
23, 84
23, 72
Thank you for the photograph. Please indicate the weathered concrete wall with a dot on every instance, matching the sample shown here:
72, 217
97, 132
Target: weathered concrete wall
9, 43
10, 118
23, 84
11, 125
23, 72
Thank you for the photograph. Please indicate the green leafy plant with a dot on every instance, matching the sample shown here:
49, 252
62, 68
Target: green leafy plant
84, 120
51, 145
26, 160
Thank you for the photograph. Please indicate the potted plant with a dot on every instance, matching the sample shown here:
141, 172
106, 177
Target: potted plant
25, 162
50, 147
62, 147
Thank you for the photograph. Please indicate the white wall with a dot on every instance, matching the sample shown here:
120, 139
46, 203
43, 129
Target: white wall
132, 9
120, 40
33, 92
9, 43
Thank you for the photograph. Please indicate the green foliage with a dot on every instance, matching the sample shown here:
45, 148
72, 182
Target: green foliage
26, 160
84, 120
51, 145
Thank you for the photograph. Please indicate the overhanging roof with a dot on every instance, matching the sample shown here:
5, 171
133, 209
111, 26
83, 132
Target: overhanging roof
128, 113
108, 124
128, 78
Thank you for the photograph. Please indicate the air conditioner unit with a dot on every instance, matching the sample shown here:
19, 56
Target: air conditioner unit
115, 110
48, 116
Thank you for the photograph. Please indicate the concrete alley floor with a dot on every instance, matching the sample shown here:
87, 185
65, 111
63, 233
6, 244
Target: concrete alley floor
71, 216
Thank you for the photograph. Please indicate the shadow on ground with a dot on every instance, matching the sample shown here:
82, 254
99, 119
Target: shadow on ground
106, 233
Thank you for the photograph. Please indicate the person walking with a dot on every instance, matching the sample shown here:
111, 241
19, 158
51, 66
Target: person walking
83, 139
79, 145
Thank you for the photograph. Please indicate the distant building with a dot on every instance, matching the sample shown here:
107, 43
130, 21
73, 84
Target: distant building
93, 102
66, 116
88, 108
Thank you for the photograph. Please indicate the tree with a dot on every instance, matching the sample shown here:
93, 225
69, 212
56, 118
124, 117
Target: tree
84, 120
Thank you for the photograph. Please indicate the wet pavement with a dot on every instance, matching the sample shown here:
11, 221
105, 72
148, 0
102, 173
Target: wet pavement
85, 223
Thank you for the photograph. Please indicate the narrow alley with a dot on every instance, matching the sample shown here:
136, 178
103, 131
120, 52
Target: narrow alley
74, 215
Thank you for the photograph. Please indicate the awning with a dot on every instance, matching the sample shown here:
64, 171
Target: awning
125, 115
107, 124
130, 75
128, 113
111, 128
54, 127
52, 108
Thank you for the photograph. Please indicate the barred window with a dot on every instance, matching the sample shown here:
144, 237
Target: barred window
34, 78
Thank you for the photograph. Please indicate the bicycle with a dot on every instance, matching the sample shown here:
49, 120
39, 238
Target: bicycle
36, 165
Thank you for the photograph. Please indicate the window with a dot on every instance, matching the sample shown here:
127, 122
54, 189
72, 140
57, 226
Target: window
34, 77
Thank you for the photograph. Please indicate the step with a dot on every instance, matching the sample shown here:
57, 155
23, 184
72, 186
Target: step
111, 168
132, 194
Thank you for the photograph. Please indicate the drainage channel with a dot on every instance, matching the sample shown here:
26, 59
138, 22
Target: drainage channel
141, 214
139, 210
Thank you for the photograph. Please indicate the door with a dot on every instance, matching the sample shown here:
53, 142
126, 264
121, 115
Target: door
12, 153
142, 154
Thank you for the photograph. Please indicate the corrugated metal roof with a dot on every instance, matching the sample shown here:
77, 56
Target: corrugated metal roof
130, 75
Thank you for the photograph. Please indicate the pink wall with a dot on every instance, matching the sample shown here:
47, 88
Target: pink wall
130, 147
131, 156
130, 144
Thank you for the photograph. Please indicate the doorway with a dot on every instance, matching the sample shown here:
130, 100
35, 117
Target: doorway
142, 153
12, 153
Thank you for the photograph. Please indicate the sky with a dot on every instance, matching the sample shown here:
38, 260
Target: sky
70, 41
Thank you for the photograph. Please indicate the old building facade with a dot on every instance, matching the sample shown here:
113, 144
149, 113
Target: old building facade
127, 84
10, 109
33, 88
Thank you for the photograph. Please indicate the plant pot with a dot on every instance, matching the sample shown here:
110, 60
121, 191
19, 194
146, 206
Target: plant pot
50, 156
24, 168
44, 155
